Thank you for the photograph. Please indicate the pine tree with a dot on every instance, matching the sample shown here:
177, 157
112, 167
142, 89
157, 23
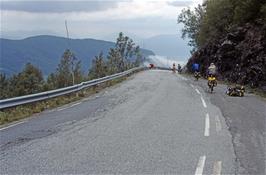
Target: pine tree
99, 67
68, 69
51, 82
139, 58
114, 60
29, 81
4, 91
127, 49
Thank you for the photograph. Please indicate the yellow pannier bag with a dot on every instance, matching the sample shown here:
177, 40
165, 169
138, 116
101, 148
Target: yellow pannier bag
211, 78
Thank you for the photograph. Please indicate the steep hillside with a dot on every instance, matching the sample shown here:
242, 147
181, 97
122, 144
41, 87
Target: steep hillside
46, 51
240, 56
231, 34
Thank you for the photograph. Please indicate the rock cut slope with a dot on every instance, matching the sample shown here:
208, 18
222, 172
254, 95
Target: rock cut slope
240, 56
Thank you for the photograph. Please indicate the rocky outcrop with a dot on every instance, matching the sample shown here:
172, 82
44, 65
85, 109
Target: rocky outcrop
240, 56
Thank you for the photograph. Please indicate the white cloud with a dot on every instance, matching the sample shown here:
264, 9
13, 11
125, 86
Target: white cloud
159, 13
162, 61
124, 10
57, 6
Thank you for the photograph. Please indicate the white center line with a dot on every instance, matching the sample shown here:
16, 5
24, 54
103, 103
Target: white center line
200, 165
191, 85
217, 168
12, 125
197, 91
218, 123
203, 102
207, 125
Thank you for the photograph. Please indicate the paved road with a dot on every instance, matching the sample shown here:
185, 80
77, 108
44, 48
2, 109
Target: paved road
155, 122
246, 121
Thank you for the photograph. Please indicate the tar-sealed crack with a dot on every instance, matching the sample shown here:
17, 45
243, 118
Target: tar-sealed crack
233, 132
21, 140
238, 165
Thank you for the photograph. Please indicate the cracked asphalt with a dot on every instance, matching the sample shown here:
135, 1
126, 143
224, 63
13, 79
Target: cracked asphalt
153, 123
246, 121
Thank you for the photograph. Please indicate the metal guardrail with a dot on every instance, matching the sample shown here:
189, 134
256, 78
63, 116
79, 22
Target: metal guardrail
163, 68
11, 102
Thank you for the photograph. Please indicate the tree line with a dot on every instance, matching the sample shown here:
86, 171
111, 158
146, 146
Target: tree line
125, 55
210, 21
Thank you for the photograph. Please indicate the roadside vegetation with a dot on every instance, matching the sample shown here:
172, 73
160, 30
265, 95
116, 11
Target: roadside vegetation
124, 56
231, 34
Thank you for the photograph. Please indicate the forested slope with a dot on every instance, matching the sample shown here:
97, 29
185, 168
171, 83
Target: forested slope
232, 34
45, 52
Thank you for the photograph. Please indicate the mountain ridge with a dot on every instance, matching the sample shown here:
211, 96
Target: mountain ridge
45, 51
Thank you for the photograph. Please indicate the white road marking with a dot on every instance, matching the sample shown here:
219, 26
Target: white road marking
75, 104
218, 123
12, 125
61, 109
183, 78
203, 102
50, 111
200, 165
217, 168
191, 85
197, 91
207, 125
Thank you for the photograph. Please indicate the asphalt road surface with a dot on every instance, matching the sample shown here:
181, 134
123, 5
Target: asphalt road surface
155, 122
246, 121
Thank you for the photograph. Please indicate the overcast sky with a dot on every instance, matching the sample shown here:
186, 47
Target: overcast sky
91, 19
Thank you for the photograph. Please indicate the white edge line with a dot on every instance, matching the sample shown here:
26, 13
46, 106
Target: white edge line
207, 125
203, 102
12, 125
200, 166
61, 109
49, 111
217, 168
75, 104
191, 85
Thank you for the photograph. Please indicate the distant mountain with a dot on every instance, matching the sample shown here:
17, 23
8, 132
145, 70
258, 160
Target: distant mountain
172, 46
46, 51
